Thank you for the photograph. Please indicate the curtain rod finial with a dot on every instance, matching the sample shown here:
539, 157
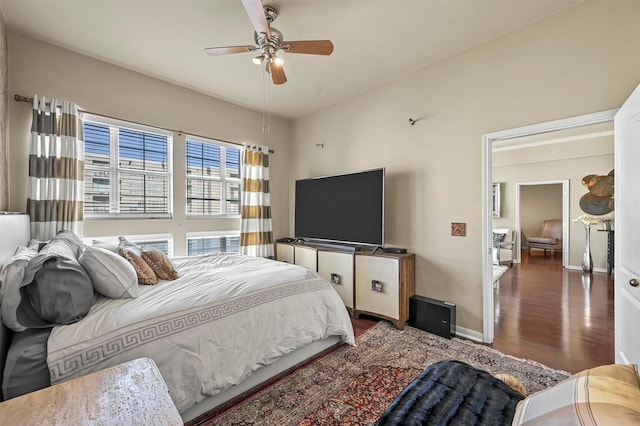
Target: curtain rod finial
19, 98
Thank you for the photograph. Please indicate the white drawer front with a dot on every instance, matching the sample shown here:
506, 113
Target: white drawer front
284, 253
341, 265
306, 257
387, 272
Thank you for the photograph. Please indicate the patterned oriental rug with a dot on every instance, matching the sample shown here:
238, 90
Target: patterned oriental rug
354, 385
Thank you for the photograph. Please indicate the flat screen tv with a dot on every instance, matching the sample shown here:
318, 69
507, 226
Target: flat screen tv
346, 208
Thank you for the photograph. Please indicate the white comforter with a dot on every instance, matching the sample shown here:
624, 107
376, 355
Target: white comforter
224, 317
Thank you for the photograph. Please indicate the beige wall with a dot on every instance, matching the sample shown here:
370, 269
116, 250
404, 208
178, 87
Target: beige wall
582, 60
39, 68
539, 203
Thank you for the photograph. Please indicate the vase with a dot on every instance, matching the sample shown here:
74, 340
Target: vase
587, 261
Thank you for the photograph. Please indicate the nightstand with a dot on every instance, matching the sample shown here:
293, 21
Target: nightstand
133, 393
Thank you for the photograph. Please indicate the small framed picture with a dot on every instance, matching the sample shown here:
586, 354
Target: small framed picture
458, 229
496, 199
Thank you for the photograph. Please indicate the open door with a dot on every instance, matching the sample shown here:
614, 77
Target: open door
627, 231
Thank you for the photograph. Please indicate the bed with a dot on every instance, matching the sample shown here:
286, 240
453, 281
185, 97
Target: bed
227, 324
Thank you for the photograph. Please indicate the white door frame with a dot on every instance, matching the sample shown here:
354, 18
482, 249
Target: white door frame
565, 217
487, 183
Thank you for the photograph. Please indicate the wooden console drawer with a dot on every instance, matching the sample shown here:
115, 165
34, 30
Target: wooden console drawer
394, 274
384, 284
387, 272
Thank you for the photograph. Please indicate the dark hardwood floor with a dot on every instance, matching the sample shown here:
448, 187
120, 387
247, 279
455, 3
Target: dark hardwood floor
362, 324
559, 317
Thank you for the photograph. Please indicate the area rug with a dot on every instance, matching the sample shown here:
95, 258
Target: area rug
354, 385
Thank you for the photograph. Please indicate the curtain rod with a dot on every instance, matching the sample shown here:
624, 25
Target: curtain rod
20, 98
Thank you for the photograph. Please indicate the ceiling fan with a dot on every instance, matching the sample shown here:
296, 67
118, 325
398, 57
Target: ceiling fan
269, 41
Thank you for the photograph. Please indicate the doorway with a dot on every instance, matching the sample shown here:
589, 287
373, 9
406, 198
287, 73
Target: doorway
538, 201
524, 135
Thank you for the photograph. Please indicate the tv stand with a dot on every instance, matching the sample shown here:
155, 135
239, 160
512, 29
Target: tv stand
378, 284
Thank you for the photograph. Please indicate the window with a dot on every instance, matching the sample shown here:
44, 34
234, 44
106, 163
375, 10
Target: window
162, 245
126, 169
197, 245
162, 242
213, 178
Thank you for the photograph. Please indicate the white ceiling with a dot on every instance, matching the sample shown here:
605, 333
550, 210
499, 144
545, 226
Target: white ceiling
375, 41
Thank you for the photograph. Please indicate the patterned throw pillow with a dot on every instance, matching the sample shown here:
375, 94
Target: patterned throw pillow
145, 273
160, 263
605, 395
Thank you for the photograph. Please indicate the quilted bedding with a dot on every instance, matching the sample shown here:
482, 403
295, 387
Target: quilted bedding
224, 317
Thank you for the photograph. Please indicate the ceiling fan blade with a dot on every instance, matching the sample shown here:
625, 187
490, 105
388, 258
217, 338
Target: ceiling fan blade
277, 74
255, 10
217, 51
311, 47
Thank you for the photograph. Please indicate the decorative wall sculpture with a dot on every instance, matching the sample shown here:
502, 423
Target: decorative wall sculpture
599, 200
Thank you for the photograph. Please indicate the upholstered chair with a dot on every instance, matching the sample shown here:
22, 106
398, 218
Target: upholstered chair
503, 246
549, 237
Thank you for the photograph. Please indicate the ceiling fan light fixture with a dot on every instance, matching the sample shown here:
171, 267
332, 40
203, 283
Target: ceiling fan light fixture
270, 42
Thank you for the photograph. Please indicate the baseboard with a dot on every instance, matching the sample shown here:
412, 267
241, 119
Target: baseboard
469, 334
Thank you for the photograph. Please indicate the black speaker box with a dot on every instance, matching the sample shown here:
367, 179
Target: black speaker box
434, 316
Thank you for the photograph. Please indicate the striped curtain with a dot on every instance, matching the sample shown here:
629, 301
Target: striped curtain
256, 235
56, 169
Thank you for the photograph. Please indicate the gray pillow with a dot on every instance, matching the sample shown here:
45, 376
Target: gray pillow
12, 275
50, 289
111, 274
71, 240
37, 244
61, 291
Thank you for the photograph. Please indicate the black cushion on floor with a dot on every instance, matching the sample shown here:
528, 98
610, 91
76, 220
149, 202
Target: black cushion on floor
453, 393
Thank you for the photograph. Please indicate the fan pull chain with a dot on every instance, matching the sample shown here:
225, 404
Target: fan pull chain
266, 103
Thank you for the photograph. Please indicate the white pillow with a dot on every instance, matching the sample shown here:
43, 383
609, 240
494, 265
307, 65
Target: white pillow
106, 245
110, 273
